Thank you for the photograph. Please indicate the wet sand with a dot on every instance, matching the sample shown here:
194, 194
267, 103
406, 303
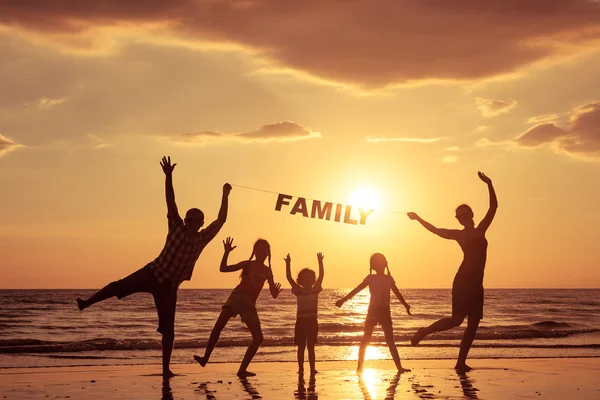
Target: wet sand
491, 379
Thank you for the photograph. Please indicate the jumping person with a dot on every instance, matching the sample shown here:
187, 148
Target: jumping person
242, 301
174, 265
467, 289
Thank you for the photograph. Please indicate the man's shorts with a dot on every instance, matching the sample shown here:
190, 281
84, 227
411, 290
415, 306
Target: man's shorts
165, 296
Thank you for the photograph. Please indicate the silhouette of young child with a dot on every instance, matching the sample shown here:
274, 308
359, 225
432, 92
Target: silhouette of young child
306, 289
242, 300
379, 312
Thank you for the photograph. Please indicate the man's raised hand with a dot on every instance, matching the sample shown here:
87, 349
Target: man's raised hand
166, 165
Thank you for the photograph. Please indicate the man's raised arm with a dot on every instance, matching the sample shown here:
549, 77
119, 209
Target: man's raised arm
169, 191
224, 204
217, 224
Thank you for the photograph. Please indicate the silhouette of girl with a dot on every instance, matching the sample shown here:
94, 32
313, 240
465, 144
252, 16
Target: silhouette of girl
242, 301
379, 311
467, 289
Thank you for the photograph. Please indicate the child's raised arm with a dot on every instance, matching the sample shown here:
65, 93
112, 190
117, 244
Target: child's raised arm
350, 295
288, 272
228, 245
319, 282
401, 298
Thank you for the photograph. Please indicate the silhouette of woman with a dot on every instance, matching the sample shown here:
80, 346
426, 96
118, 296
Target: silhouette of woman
467, 289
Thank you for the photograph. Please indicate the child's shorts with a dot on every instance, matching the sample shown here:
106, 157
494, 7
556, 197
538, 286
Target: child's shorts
240, 304
379, 316
306, 332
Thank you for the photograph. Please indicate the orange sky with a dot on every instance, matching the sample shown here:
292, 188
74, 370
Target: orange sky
312, 98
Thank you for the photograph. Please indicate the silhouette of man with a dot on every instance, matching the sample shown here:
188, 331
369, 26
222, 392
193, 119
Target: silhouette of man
174, 265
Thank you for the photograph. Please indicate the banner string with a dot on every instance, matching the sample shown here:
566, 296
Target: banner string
307, 198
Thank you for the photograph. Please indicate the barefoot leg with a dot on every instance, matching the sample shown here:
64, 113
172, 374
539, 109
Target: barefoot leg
465, 344
388, 331
369, 326
224, 317
442, 325
300, 354
311, 359
257, 339
106, 292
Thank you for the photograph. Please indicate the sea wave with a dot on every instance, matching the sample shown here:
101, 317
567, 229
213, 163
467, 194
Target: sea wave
485, 338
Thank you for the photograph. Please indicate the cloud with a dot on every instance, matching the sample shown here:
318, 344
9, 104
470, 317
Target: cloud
492, 108
7, 145
450, 159
285, 131
377, 139
540, 134
539, 119
579, 137
373, 43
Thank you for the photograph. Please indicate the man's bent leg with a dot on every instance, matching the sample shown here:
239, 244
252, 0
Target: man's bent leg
141, 280
106, 292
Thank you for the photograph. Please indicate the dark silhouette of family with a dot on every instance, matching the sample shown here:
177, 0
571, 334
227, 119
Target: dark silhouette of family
185, 242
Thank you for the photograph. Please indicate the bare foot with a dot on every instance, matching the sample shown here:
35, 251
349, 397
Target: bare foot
418, 336
462, 368
168, 374
403, 370
81, 304
313, 372
245, 374
201, 360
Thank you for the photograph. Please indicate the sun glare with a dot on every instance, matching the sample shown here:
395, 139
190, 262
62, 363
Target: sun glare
365, 198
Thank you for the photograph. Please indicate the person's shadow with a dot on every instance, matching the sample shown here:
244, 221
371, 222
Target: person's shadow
467, 386
390, 392
304, 393
167, 393
250, 389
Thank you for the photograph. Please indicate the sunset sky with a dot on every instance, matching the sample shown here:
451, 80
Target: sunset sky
314, 98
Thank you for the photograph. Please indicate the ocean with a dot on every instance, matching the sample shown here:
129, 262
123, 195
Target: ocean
44, 328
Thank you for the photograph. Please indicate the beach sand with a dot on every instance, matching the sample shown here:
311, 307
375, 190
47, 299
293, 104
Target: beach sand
429, 379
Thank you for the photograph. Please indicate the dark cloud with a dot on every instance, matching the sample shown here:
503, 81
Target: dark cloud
368, 43
284, 131
580, 136
492, 108
540, 134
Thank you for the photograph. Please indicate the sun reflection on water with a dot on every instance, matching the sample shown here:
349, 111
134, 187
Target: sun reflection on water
373, 353
367, 382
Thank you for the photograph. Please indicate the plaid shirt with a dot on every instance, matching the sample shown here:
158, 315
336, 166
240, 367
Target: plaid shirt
175, 263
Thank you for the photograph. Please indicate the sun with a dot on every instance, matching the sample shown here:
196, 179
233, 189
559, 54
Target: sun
365, 198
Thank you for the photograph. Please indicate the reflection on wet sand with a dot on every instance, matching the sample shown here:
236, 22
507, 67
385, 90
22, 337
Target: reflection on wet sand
367, 381
167, 394
466, 384
467, 387
304, 393
250, 389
